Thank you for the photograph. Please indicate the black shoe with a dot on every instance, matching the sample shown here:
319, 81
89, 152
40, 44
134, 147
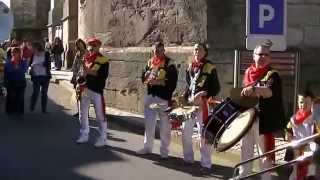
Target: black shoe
205, 170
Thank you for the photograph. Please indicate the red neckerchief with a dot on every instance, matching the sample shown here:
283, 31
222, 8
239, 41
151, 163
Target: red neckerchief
301, 115
90, 58
197, 64
156, 62
253, 74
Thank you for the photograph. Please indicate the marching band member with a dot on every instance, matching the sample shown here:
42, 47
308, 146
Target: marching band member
77, 67
96, 70
160, 76
263, 82
202, 84
301, 125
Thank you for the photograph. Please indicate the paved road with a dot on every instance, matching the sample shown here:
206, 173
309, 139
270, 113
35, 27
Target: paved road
37, 146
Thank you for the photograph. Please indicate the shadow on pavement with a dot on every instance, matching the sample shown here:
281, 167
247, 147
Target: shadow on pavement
176, 163
42, 146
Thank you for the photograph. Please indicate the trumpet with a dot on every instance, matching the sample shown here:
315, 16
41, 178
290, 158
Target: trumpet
293, 144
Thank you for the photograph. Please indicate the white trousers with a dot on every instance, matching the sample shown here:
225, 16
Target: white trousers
96, 99
150, 124
247, 151
187, 132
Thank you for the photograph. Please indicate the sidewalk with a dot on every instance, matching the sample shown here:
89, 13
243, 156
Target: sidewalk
136, 121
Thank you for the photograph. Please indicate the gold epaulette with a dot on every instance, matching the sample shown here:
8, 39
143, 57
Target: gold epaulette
269, 73
98, 62
207, 68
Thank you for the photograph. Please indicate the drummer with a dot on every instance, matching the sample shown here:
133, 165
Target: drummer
202, 85
263, 82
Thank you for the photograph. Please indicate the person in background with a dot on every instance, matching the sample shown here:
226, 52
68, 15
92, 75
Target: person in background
160, 77
15, 82
301, 125
26, 48
57, 50
47, 45
77, 66
40, 76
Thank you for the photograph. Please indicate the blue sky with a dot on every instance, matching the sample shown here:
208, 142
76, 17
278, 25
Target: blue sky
7, 2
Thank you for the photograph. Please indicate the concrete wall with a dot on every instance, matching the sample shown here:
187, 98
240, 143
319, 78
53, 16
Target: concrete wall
180, 23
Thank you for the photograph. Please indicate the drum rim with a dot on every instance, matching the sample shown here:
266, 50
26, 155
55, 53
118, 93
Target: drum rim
222, 148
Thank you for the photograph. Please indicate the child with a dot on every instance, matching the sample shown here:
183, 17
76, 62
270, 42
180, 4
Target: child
301, 125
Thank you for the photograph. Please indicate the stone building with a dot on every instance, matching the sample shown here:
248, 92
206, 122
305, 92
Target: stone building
69, 29
54, 24
131, 26
30, 18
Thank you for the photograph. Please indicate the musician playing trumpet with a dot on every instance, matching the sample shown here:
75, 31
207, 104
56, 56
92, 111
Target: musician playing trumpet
264, 83
160, 77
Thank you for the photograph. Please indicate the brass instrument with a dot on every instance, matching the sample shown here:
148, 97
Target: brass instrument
293, 144
80, 79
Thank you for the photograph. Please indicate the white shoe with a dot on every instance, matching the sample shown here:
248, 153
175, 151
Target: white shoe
143, 151
83, 138
101, 142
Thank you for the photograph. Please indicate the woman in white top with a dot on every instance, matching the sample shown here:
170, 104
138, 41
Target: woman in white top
40, 76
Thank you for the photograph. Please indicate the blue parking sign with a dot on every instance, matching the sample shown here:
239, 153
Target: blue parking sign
267, 17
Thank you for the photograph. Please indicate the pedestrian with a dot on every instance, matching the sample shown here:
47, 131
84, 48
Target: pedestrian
160, 77
96, 70
77, 67
15, 82
26, 48
40, 76
263, 82
57, 50
202, 85
47, 45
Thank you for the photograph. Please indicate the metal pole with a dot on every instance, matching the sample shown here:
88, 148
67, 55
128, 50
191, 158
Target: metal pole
236, 68
297, 79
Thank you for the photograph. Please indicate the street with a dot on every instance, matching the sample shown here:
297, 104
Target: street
42, 146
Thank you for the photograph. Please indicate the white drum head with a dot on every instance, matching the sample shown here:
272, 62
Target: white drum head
236, 130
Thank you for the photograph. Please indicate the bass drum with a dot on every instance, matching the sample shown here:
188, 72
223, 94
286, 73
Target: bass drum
233, 132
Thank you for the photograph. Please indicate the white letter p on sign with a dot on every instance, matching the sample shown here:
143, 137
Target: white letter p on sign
266, 13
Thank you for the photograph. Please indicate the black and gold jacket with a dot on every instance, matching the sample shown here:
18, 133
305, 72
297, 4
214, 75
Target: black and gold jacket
167, 72
207, 80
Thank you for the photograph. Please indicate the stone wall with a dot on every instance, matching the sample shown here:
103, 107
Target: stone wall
30, 18
137, 23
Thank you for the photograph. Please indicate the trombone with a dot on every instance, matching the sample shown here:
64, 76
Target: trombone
293, 144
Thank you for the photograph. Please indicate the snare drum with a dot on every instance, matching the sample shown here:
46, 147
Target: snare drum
227, 124
178, 115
